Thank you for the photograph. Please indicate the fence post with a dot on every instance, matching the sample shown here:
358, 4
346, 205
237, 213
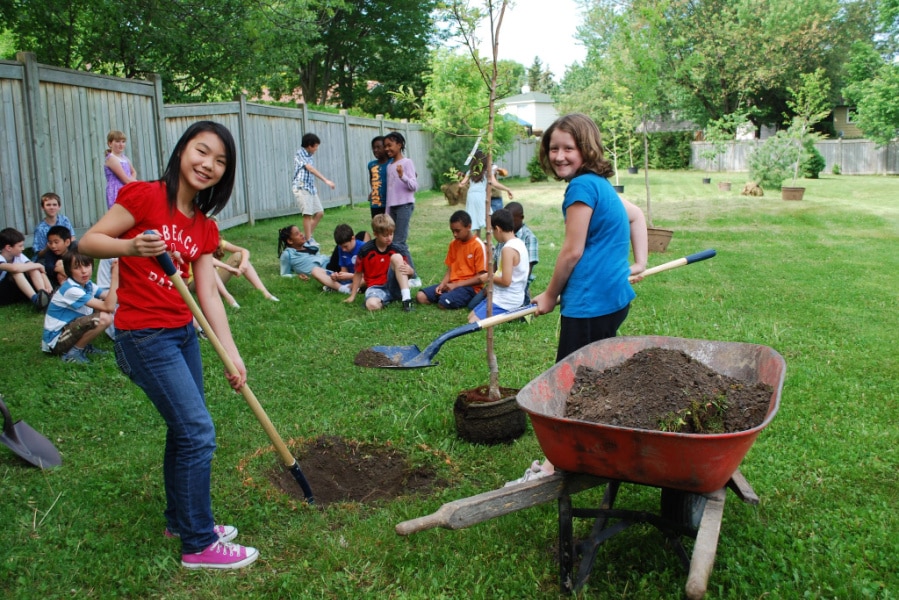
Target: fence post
159, 124
39, 148
346, 154
242, 127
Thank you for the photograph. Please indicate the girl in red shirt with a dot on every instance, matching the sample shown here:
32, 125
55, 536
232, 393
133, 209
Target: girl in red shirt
156, 346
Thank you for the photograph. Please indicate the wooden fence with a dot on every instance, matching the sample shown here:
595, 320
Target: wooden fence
53, 138
853, 157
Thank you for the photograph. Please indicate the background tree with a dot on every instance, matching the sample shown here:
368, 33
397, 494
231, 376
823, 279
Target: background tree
203, 51
456, 109
540, 78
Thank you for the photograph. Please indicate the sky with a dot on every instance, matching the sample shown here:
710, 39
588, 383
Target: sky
543, 28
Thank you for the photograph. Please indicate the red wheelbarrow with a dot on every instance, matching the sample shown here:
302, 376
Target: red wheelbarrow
692, 470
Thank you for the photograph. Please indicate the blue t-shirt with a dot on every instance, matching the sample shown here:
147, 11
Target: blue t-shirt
296, 262
348, 259
598, 284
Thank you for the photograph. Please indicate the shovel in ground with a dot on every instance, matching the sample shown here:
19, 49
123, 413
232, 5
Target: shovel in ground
27, 443
410, 357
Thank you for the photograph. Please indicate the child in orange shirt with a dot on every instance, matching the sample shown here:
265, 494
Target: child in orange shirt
466, 261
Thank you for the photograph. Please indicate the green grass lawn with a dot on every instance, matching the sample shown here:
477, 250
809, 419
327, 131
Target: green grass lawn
816, 280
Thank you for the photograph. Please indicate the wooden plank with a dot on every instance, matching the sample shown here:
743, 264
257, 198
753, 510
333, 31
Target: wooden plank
742, 489
706, 545
496, 503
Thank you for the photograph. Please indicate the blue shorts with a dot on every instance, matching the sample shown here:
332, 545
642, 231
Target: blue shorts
457, 298
480, 310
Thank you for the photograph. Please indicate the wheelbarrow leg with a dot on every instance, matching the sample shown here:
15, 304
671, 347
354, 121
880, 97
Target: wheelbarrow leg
598, 535
706, 545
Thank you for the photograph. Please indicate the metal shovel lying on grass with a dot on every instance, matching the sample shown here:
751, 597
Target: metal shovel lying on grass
410, 357
27, 443
165, 261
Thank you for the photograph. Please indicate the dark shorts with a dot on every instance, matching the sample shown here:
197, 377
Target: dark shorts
10, 292
574, 334
457, 298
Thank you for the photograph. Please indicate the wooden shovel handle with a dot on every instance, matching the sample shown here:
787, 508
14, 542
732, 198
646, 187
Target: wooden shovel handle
686, 260
165, 261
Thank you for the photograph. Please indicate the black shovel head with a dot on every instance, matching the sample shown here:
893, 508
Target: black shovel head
30, 445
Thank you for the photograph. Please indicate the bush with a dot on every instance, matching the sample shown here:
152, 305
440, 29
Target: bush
667, 150
535, 171
448, 155
813, 163
772, 161
835, 169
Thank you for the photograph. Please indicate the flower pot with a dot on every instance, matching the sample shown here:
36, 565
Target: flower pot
724, 186
707, 180
659, 239
633, 170
792, 193
619, 188
490, 422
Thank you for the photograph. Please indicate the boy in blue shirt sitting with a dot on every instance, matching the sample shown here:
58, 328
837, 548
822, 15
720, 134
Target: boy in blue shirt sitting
79, 311
343, 259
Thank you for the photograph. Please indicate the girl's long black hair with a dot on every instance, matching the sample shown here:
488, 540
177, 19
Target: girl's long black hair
212, 200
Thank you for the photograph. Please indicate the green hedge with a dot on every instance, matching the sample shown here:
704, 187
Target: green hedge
668, 150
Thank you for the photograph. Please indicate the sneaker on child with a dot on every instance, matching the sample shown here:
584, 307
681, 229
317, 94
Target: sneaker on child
220, 555
76, 355
91, 349
408, 306
535, 471
226, 533
415, 282
344, 288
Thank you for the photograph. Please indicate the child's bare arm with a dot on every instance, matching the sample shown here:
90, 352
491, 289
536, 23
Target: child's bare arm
354, 287
315, 172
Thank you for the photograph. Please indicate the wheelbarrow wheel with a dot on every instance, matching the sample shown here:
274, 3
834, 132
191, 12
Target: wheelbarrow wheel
685, 508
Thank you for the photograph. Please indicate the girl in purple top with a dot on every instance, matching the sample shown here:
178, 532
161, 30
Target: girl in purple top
401, 186
117, 167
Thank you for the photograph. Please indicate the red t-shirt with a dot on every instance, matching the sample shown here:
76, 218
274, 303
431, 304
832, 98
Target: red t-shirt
147, 297
374, 264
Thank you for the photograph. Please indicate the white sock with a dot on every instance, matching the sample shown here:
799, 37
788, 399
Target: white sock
405, 294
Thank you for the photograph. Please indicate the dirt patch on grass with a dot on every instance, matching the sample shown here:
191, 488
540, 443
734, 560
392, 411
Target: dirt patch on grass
372, 358
667, 390
341, 470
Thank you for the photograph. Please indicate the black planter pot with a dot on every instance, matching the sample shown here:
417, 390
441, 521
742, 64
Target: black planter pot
619, 188
633, 170
707, 180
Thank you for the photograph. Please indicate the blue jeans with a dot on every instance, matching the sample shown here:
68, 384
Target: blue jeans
402, 216
166, 365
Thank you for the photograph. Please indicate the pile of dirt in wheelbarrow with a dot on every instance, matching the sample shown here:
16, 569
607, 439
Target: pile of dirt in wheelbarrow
666, 390
341, 470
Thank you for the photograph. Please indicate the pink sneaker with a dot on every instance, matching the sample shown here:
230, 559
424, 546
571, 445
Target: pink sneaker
220, 555
226, 533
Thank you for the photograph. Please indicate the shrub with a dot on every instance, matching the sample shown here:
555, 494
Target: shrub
772, 161
535, 171
813, 163
835, 169
667, 150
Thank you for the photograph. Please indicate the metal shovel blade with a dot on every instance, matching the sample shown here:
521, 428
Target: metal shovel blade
410, 357
30, 445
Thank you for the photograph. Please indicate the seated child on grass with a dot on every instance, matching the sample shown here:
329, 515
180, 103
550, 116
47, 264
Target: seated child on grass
466, 263
79, 311
303, 261
343, 259
20, 279
383, 267
59, 241
51, 204
511, 277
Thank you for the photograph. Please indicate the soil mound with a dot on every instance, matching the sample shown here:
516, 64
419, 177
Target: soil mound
667, 390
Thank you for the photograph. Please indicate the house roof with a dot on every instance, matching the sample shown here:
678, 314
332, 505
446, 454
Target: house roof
535, 97
519, 120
